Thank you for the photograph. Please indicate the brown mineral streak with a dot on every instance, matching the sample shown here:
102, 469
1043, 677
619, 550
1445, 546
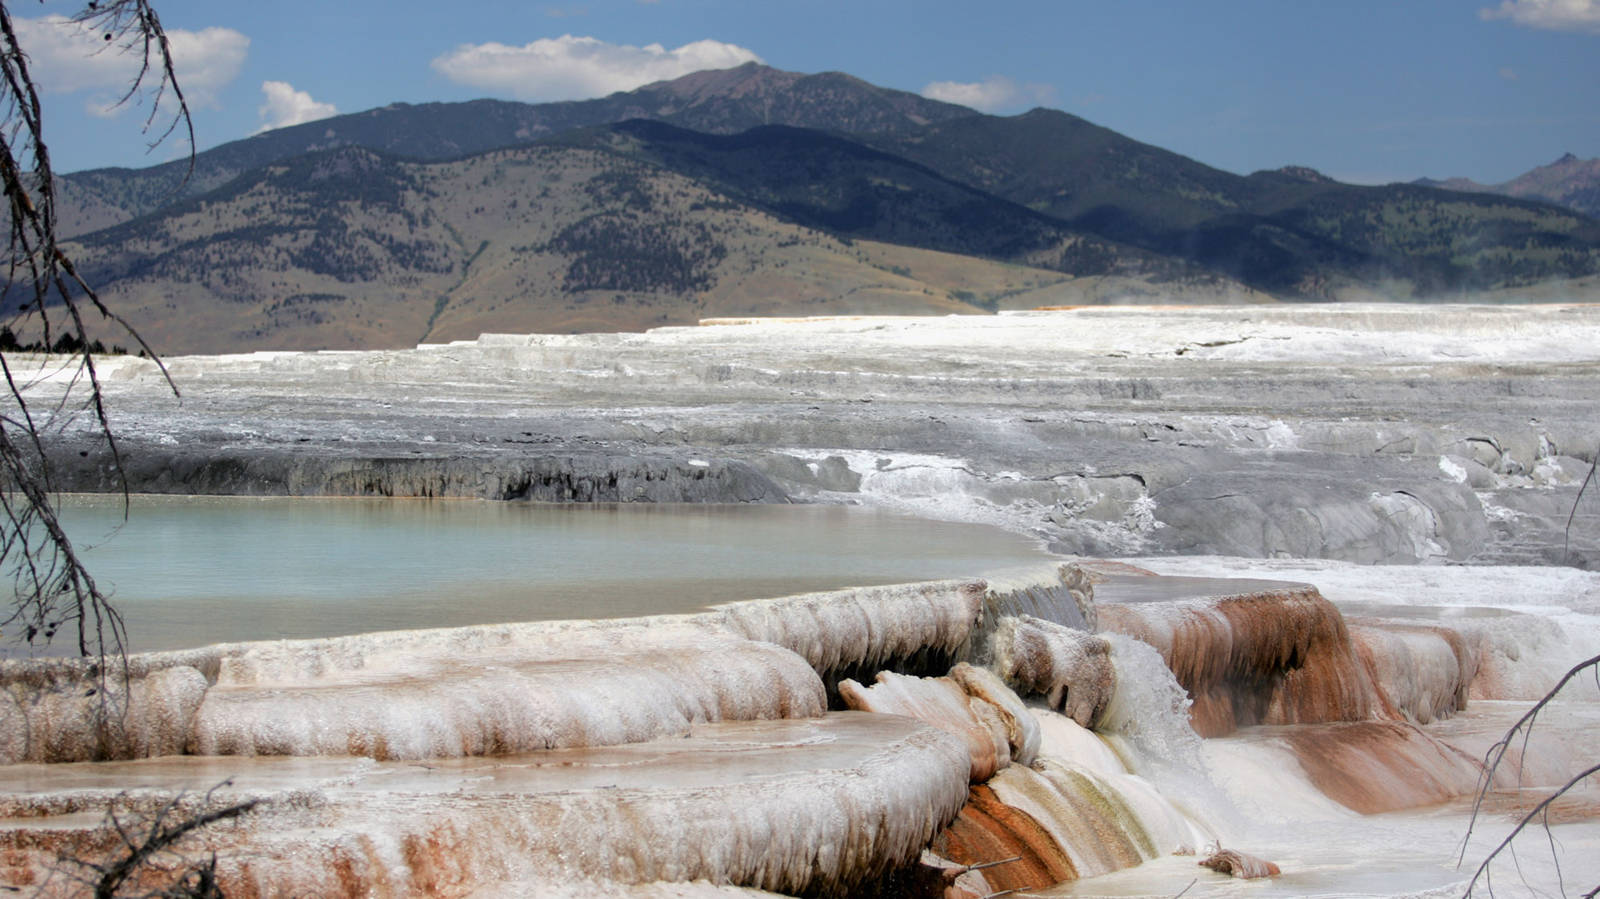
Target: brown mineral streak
1381, 766
1238, 864
1282, 657
988, 830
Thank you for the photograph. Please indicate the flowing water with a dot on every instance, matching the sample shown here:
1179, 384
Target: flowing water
1343, 724
188, 571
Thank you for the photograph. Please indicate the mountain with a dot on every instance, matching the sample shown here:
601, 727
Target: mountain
1292, 232
721, 102
847, 189
751, 191
352, 248
1569, 181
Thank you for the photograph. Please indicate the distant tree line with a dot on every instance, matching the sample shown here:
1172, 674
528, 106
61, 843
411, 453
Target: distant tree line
67, 344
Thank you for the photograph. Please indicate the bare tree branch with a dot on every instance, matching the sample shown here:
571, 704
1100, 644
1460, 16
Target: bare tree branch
1522, 730
53, 588
135, 26
1566, 547
1537, 811
151, 852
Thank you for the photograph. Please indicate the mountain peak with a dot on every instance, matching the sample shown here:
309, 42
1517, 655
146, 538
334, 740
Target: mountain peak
1305, 173
727, 101
1569, 181
749, 79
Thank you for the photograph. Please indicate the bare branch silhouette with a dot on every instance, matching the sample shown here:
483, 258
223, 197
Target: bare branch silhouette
151, 860
1521, 731
43, 290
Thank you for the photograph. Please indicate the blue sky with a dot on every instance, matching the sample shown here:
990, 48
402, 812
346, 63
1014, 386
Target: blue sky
1364, 91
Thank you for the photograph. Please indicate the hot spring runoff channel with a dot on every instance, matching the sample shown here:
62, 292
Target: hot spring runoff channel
189, 571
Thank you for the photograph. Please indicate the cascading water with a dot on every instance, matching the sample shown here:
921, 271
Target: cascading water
1082, 809
1248, 652
1147, 724
700, 747
1148, 709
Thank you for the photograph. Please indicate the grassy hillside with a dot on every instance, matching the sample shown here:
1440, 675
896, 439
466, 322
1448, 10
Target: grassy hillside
1291, 232
752, 190
847, 189
1430, 242
723, 102
350, 248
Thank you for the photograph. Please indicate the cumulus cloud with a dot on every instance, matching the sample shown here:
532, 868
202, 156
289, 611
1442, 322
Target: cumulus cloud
68, 58
992, 94
1553, 15
575, 68
285, 106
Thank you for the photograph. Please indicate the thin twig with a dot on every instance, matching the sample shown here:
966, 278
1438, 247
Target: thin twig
1004, 861
162, 831
1496, 753
1526, 819
1491, 763
1566, 547
53, 587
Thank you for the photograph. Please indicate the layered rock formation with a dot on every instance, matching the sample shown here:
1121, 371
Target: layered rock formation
715, 747
1382, 434
710, 749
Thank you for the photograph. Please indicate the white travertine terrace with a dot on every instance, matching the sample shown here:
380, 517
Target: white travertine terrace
491, 689
1071, 668
1295, 440
1369, 433
793, 805
697, 754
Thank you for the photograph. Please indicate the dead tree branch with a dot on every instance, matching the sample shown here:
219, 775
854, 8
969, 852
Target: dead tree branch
54, 592
1521, 731
1573, 514
150, 861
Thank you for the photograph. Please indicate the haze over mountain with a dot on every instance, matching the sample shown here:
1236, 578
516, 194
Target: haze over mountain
1569, 181
742, 191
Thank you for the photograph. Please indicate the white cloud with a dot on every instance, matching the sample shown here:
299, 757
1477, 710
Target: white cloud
1508, 73
67, 58
575, 68
1554, 15
992, 94
285, 106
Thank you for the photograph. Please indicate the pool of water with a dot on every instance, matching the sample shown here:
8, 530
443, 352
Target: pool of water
190, 571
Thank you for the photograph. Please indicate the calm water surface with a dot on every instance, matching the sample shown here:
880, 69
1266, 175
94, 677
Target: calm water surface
188, 571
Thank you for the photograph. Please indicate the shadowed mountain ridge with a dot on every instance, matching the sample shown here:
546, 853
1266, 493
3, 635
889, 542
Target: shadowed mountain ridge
809, 193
